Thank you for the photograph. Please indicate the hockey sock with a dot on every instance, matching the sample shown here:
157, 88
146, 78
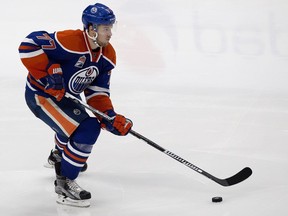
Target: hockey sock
60, 142
79, 147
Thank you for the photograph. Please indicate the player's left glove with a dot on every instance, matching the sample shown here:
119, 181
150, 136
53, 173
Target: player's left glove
119, 126
55, 83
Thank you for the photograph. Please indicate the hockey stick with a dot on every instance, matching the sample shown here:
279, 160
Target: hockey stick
235, 179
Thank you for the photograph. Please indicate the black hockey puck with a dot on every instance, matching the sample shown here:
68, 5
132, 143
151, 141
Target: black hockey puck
217, 199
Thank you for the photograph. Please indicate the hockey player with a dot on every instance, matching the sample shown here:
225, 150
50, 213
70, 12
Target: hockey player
74, 61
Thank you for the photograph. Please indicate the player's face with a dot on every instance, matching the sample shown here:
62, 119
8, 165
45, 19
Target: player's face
104, 34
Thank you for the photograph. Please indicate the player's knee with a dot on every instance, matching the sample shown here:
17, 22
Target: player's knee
87, 148
87, 132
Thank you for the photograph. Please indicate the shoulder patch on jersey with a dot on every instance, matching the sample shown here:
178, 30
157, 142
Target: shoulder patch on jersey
81, 61
71, 40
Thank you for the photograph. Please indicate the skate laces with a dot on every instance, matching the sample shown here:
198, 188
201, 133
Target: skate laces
72, 184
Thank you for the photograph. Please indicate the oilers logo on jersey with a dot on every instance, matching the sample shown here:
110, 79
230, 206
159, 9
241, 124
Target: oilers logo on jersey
83, 78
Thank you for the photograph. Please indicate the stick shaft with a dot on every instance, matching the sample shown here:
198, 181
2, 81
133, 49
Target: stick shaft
235, 179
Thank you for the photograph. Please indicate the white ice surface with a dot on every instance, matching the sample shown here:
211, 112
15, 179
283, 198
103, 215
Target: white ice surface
205, 79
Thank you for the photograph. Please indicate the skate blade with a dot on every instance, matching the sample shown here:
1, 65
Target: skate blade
63, 200
50, 166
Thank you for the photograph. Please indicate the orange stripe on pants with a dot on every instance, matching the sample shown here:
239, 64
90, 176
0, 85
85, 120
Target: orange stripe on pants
67, 125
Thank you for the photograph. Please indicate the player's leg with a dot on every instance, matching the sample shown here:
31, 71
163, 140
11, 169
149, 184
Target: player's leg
74, 157
60, 143
79, 147
71, 121
63, 117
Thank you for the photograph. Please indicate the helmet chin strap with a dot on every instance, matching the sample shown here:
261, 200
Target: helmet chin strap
94, 39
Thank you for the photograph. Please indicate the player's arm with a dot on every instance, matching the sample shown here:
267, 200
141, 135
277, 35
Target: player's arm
35, 51
98, 96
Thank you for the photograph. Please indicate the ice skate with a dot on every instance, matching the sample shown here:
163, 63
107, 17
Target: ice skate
53, 158
56, 157
70, 193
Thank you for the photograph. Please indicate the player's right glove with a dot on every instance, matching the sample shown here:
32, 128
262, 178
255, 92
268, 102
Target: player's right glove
119, 126
55, 83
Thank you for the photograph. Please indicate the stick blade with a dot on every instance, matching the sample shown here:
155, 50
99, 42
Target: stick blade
237, 178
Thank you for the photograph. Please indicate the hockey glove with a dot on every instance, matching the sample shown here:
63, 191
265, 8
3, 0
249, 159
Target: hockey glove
55, 83
119, 126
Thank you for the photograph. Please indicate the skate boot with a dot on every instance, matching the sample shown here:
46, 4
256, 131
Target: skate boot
70, 193
55, 156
